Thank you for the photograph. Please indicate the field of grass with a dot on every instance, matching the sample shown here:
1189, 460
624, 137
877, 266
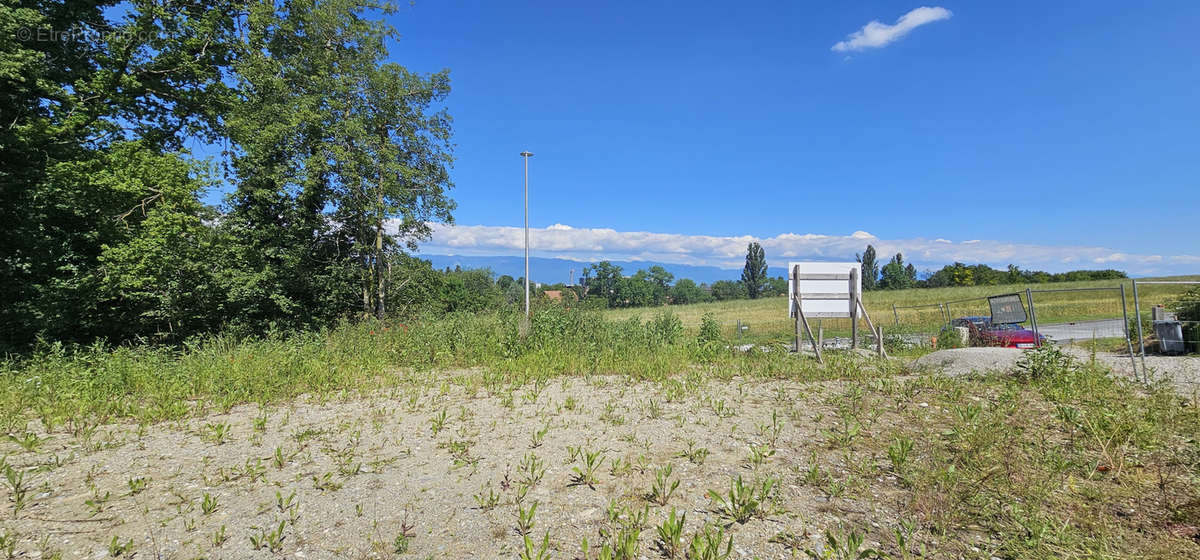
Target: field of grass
768, 318
456, 437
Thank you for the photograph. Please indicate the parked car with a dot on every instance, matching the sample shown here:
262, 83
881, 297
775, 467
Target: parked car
1006, 335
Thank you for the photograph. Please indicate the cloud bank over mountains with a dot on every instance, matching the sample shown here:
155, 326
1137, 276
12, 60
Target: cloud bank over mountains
594, 244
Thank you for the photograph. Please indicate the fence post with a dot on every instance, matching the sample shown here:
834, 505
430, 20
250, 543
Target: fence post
945, 317
1037, 337
1137, 312
879, 340
1128, 344
897, 314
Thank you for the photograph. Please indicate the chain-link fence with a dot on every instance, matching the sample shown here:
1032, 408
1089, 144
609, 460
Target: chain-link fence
1163, 327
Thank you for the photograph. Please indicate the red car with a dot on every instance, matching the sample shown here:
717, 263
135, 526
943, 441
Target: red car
984, 333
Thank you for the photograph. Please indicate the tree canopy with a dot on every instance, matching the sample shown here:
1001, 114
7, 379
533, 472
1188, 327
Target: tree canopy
336, 162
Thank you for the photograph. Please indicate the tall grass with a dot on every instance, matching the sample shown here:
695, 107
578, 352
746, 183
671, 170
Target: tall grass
61, 385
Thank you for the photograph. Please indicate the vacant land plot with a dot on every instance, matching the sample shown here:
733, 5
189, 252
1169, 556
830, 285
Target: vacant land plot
724, 458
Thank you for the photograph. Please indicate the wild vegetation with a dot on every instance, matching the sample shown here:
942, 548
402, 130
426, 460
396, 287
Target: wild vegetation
589, 438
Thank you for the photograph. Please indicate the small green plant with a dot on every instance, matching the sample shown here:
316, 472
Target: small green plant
272, 541
283, 504
535, 441
536, 552
525, 518
759, 454
216, 432
670, 534
848, 547
1044, 361
899, 452
326, 483
117, 548
405, 536
663, 487
706, 545
8, 543
28, 441
437, 422
15, 478
844, 434
743, 501
137, 485
721, 410
97, 502
218, 537
487, 498
208, 504
696, 455
710, 331
592, 460
532, 469
619, 466
771, 431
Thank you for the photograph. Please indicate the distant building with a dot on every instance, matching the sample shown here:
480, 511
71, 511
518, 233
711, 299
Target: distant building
559, 295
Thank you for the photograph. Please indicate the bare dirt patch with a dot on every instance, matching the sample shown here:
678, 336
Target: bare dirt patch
438, 472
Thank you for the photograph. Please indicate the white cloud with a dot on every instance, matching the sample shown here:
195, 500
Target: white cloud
593, 244
875, 34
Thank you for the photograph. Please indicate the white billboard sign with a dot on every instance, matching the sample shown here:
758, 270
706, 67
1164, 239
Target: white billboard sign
824, 288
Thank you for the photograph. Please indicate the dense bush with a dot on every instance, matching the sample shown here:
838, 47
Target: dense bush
1187, 308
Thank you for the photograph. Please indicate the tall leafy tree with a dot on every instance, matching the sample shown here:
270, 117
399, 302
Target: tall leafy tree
340, 161
86, 101
896, 276
870, 268
754, 274
603, 280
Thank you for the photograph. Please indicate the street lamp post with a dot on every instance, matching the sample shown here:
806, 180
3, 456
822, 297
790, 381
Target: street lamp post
527, 154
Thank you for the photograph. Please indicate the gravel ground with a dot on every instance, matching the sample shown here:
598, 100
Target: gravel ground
1181, 372
347, 477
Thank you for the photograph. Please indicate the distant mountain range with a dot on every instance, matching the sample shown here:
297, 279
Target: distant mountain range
552, 271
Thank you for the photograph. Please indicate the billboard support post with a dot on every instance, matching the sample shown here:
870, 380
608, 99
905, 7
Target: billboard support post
800, 319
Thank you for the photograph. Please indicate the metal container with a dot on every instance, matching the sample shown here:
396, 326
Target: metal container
1170, 336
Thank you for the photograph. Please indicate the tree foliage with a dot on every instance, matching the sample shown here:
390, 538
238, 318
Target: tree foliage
870, 268
337, 162
754, 274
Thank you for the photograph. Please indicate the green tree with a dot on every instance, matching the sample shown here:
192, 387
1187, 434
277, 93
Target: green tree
724, 290
134, 86
870, 268
754, 274
602, 281
776, 286
896, 276
686, 291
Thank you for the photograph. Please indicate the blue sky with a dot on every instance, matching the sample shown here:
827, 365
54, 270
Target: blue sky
1058, 134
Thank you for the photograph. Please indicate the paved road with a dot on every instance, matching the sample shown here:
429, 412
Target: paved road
1083, 330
